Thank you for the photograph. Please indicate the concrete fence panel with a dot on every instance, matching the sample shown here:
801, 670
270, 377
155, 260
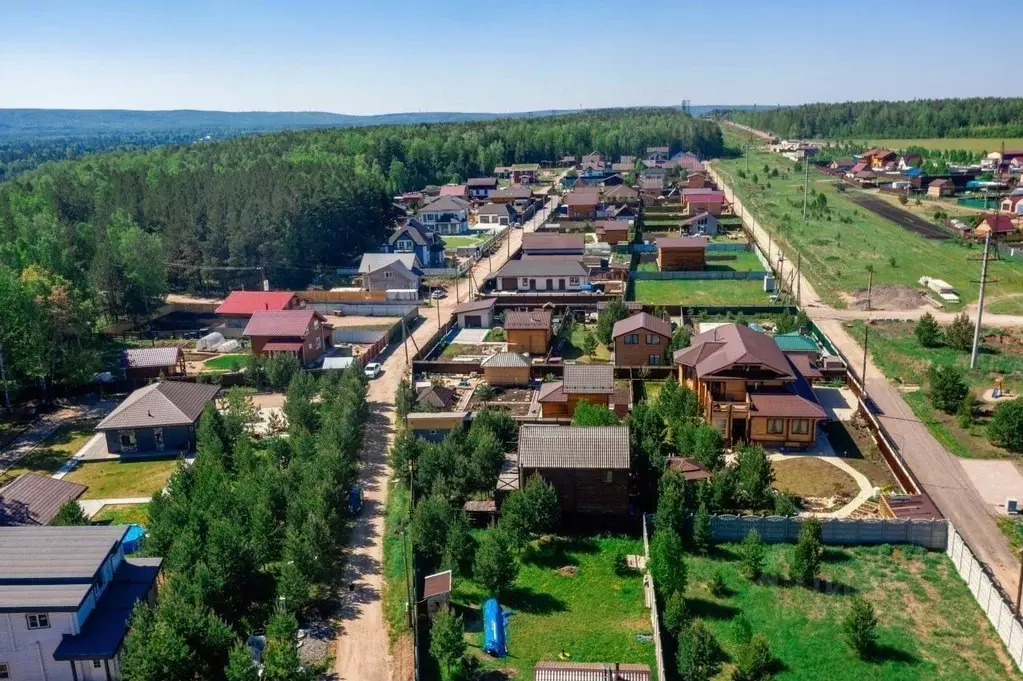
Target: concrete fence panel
932, 534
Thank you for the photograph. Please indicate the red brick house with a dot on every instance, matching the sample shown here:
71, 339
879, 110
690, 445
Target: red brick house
303, 333
581, 203
640, 340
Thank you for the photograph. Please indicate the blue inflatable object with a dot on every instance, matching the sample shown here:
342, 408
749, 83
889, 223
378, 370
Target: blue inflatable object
133, 538
493, 629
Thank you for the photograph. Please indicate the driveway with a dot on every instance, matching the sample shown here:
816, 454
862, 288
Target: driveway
995, 481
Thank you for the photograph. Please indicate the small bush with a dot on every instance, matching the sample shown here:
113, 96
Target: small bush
860, 627
717, 585
741, 629
754, 661
752, 556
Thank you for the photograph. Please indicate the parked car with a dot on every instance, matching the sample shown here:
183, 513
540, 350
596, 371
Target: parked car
355, 500
373, 369
438, 293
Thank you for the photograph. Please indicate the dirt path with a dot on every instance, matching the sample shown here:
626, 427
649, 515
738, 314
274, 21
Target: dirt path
47, 425
362, 650
938, 471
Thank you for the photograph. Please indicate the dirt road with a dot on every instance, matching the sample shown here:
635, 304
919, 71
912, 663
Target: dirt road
361, 652
938, 471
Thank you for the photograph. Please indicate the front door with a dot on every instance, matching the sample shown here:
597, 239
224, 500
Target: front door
550, 284
532, 284
561, 284
738, 431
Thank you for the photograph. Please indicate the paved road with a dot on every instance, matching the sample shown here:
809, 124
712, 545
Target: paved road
940, 473
362, 643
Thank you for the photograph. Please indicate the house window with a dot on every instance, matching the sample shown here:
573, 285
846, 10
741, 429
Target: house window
632, 339
608, 477
775, 426
5, 671
653, 339
38, 621
573, 281
801, 426
404, 245
525, 282
96, 664
158, 438
388, 275
128, 441
653, 359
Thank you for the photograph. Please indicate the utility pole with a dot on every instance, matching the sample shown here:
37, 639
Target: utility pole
438, 313
799, 280
980, 307
863, 372
870, 284
404, 342
806, 182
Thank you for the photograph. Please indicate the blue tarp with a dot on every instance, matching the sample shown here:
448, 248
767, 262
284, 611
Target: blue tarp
494, 629
133, 537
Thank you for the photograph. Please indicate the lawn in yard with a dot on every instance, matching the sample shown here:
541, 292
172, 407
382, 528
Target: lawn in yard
458, 241
122, 514
974, 144
699, 292
573, 349
929, 624
54, 451
567, 599
228, 362
837, 246
122, 479
739, 261
813, 480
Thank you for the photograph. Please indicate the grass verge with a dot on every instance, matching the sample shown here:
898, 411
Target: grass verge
122, 479
397, 560
122, 514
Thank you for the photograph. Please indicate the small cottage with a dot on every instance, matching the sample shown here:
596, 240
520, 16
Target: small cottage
506, 369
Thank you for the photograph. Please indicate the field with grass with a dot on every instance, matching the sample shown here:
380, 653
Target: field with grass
396, 559
929, 625
896, 352
122, 479
573, 349
699, 292
974, 144
837, 246
567, 599
228, 362
54, 451
809, 477
122, 514
459, 240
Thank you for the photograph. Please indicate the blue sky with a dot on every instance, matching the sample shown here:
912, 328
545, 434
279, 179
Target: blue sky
389, 55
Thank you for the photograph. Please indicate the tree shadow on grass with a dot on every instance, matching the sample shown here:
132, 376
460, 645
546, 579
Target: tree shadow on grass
556, 552
709, 610
524, 599
833, 556
880, 654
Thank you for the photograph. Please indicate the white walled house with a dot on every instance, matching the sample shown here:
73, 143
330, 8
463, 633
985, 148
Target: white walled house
66, 594
446, 215
546, 273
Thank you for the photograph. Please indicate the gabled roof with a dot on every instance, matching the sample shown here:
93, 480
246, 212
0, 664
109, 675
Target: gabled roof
371, 262
481, 182
940, 182
505, 359
453, 190
553, 266
785, 405
706, 197
445, 204
438, 396
683, 242
167, 403
691, 469
55, 553
733, 345
620, 191
247, 302
582, 198
515, 191
644, 321
588, 379
498, 209
999, 224
535, 241
525, 166
702, 215
287, 323
602, 226
140, 358
34, 499
859, 167
527, 321
600, 447
416, 231
551, 391
476, 305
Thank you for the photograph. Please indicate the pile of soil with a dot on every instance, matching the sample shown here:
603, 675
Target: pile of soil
568, 571
887, 297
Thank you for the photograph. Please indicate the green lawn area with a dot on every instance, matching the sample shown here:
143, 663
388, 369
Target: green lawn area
698, 292
54, 451
573, 349
651, 389
740, 261
567, 599
836, 251
663, 222
228, 362
975, 144
457, 241
122, 514
121, 479
929, 624
896, 352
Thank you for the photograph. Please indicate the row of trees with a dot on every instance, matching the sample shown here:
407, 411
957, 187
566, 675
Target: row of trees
970, 117
251, 534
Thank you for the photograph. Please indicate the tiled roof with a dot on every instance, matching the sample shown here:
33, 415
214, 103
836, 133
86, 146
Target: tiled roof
683, 242
34, 499
605, 447
167, 403
647, 322
283, 346
505, 359
733, 345
476, 305
999, 224
588, 379
552, 392
580, 198
525, 321
691, 469
551, 266
785, 405
437, 396
553, 242
139, 358
288, 323
801, 363
445, 204
247, 302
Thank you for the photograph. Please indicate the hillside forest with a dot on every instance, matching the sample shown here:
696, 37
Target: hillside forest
104, 238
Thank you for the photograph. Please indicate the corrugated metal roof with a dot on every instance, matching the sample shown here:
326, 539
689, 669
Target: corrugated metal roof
247, 302
550, 266
167, 403
34, 499
604, 447
290, 323
683, 242
139, 358
476, 305
505, 359
525, 321
644, 321
371, 262
733, 345
795, 342
550, 670
553, 242
437, 584
785, 405
54, 553
588, 379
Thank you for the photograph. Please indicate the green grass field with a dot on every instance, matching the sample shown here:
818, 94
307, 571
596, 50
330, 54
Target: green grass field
929, 624
54, 451
396, 560
836, 251
456, 241
122, 514
592, 615
122, 479
975, 144
573, 349
227, 362
699, 292
718, 261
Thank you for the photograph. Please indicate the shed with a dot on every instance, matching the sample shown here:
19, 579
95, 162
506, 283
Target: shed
141, 363
476, 314
33, 499
437, 592
528, 331
506, 369
682, 253
435, 426
691, 469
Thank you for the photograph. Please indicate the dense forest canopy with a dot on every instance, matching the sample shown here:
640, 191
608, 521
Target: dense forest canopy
921, 118
106, 236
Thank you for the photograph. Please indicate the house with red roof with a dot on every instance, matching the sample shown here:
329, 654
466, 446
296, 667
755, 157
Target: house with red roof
303, 333
239, 306
995, 225
749, 389
459, 190
712, 202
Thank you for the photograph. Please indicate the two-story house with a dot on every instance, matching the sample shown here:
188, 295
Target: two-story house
525, 173
550, 273
161, 417
593, 383
66, 596
445, 215
390, 271
413, 237
302, 333
481, 187
239, 306
657, 154
749, 389
640, 340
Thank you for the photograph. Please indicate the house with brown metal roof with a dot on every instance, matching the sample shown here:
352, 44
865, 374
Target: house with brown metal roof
160, 417
550, 670
528, 331
691, 469
712, 202
619, 195
434, 426
587, 466
640, 340
438, 397
303, 333
551, 273
593, 383
995, 225
612, 231
581, 204
476, 314
682, 253
33, 499
940, 187
144, 363
538, 243
506, 369
749, 389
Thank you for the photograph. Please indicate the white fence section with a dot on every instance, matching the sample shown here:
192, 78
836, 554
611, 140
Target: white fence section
701, 274
651, 599
996, 606
932, 534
